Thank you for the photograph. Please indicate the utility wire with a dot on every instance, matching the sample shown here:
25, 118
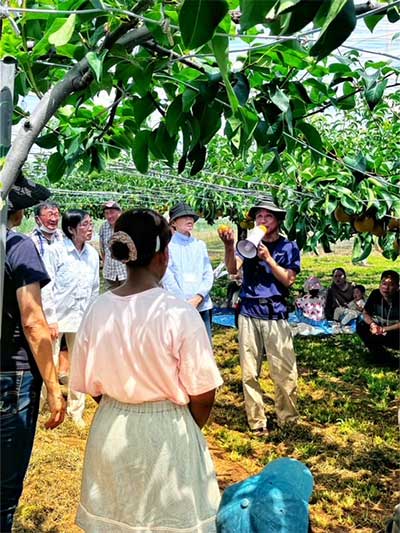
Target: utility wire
105, 10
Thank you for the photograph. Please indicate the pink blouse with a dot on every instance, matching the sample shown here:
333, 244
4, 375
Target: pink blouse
144, 347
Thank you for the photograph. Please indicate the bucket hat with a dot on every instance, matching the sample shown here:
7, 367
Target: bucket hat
270, 205
26, 193
111, 205
274, 501
182, 210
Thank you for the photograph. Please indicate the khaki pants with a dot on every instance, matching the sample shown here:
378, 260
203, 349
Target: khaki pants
76, 400
273, 337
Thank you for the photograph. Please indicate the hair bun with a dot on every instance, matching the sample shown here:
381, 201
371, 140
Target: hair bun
121, 242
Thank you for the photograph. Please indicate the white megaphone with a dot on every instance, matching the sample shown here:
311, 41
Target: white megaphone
248, 247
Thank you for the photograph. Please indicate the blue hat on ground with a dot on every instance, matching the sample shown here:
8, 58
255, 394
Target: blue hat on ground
274, 501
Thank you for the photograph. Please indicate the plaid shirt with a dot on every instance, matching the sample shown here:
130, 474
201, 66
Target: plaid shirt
112, 269
41, 242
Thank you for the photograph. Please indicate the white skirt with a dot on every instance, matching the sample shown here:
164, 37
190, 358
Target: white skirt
147, 469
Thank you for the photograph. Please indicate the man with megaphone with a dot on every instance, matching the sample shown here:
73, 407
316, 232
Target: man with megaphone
270, 264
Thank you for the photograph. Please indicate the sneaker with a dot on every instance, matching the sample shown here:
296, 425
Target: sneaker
260, 432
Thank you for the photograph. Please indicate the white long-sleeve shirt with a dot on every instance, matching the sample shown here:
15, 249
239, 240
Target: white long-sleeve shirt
74, 283
189, 270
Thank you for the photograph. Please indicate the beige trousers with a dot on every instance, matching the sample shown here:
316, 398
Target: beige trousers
76, 400
274, 338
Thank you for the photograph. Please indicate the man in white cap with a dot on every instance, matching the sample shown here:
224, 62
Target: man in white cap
114, 272
189, 275
263, 325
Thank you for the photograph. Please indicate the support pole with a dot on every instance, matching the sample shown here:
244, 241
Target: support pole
7, 75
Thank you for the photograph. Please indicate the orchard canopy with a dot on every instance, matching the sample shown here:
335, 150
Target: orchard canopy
216, 101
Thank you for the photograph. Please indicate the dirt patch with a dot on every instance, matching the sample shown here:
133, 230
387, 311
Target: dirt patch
228, 471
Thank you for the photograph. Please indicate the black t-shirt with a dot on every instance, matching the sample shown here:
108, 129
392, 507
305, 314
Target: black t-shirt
381, 311
23, 266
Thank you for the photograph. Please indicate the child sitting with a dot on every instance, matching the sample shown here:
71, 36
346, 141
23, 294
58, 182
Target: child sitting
312, 305
344, 315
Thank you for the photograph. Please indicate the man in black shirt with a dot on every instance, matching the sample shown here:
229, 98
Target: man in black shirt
380, 328
26, 353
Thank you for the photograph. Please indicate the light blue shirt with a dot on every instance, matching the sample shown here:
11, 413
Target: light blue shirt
74, 283
189, 270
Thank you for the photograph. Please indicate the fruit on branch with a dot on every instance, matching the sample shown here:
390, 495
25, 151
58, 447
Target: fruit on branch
341, 215
364, 224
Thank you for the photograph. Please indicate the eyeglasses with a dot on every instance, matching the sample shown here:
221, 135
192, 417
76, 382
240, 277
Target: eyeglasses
86, 224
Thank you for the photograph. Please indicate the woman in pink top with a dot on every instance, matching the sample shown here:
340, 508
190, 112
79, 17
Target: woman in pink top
145, 355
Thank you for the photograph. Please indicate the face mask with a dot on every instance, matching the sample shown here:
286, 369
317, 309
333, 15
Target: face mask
43, 229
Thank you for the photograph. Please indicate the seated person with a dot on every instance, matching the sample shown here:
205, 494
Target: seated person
380, 327
339, 294
312, 304
354, 309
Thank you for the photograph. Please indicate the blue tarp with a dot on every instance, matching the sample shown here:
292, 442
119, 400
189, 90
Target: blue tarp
224, 316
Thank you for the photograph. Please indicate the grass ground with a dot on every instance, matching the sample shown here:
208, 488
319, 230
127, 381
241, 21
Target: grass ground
349, 434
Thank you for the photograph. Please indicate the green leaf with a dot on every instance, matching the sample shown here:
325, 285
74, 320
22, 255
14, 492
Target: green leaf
143, 107
362, 247
291, 216
241, 88
372, 20
374, 94
198, 20
188, 97
357, 166
339, 24
96, 63
64, 34
312, 138
98, 161
47, 141
198, 156
254, 12
348, 101
174, 116
140, 151
249, 122
220, 47
286, 6
273, 164
280, 99
166, 144
300, 15
56, 166
393, 14
210, 123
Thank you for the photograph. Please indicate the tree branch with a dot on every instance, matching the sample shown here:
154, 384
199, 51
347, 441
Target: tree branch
151, 45
114, 107
340, 99
77, 79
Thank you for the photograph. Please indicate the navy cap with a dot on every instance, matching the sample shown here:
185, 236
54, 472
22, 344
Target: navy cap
26, 193
274, 501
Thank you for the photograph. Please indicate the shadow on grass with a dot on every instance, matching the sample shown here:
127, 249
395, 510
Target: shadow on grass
37, 517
